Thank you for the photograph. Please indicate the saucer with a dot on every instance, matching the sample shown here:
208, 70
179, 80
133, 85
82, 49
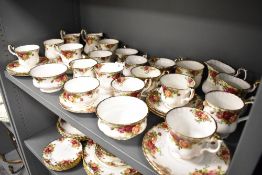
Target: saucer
121, 133
157, 106
16, 69
67, 130
93, 166
155, 149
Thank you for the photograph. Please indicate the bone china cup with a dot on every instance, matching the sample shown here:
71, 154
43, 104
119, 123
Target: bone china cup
176, 89
70, 52
91, 40
83, 67
164, 64
122, 53
106, 73
190, 68
101, 56
108, 44
70, 37
133, 61
234, 85
191, 132
123, 114
224, 107
81, 91
49, 77
149, 74
127, 86
50, 48
28, 55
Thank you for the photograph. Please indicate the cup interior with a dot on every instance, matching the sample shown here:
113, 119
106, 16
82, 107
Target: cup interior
108, 41
53, 41
128, 84
135, 60
164, 62
126, 51
192, 65
185, 121
224, 100
48, 70
110, 67
120, 110
71, 46
145, 72
83, 63
221, 67
100, 53
176, 81
234, 81
27, 48
95, 34
81, 84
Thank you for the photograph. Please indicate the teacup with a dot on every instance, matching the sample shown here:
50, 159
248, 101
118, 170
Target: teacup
149, 74
50, 48
164, 64
106, 73
83, 67
101, 56
225, 108
128, 86
70, 37
176, 89
214, 68
108, 158
191, 68
133, 61
122, 53
234, 85
70, 52
91, 40
49, 77
118, 114
28, 55
81, 91
108, 44
191, 132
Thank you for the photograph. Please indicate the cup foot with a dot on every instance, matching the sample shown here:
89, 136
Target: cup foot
51, 90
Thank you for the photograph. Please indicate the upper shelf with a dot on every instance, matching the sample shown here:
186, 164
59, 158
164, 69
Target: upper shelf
129, 151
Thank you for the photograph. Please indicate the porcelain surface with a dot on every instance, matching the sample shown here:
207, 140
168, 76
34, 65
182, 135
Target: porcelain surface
123, 53
50, 48
83, 67
69, 52
131, 62
91, 40
101, 56
108, 44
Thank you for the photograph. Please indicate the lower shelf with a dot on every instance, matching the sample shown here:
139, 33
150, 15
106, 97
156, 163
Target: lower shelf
36, 144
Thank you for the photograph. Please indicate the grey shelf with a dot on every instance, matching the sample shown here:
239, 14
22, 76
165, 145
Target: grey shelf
8, 126
37, 143
129, 151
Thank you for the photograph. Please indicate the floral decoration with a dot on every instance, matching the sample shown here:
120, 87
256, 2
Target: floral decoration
131, 129
129, 171
60, 79
168, 92
200, 116
95, 167
212, 74
147, 69
75, 97
49, 149
154, 97
69, 53
181, 143
149, 142
184, 71
75, 143
25, 55
227, 117
13, 65
224, 154
70, 39
206, 171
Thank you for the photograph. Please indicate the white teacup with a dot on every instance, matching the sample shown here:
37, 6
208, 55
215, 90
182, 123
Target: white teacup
122, 53
49, 77
81, 91
106, 73
133, 61
70, 52
101, 56
176, 89
91, 40
164, 64
191, 68
225, 108
70, 37
191, 132
108, 44
28, 55
83, 67
50, 48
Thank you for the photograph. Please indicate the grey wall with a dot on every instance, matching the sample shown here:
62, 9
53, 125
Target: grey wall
228, 30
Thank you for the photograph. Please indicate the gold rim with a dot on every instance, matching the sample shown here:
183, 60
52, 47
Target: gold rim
127, 91
189, 68
49, 76
144, 78
189, 87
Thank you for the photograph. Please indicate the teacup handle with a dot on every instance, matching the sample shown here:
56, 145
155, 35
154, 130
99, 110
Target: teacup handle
58, 51
249, 101
145, 55
213, 140
165, 72
62, 34
239, 71
149, 83
179, 58
254, 86
11, 49
124, 46
191, 96
83, 34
